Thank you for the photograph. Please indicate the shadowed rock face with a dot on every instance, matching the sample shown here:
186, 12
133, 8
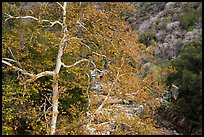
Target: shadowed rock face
166, 20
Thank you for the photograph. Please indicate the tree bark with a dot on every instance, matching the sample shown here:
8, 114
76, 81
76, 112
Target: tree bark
54, 105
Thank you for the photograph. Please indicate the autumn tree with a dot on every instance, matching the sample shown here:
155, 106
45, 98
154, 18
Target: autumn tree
49, 50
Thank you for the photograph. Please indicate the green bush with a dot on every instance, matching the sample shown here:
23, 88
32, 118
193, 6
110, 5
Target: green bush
145, 38
188, 79
161, 24
189, 19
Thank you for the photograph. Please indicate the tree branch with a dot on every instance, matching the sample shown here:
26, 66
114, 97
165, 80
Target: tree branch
34, 77
74, 63
60, 5
31, 17
81, 24
99, 54
53, 23
17, 69
21, 17
10, 60
42, 74
14, 57
87, 91
102, 104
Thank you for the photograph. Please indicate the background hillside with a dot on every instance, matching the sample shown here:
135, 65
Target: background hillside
177, 29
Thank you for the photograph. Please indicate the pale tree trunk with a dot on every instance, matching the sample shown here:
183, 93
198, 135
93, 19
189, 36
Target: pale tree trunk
54, 105
56, 71
55, 93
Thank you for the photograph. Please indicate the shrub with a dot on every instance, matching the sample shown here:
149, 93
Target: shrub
161, 25
188, 79
189, 19
145, 38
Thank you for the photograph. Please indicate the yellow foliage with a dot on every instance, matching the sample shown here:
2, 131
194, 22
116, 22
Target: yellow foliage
96, 31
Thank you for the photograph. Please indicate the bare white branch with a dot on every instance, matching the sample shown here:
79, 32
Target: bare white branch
87, 46
102, 104
47, 99
14, 57
17, 69
99, 54
31, 17
46, 4
52, 23
92, 43
82, 60
60, 5
81, 24
93, 64
20, 17
10, 60
49, 108
33, 77
55, 22
42, 74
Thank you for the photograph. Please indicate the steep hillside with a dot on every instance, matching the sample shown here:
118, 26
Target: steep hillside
170, 24
176, 27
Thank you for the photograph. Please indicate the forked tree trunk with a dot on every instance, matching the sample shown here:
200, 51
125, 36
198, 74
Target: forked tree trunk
56, 71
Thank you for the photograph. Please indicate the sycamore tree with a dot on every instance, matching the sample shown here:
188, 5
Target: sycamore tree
48, 52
